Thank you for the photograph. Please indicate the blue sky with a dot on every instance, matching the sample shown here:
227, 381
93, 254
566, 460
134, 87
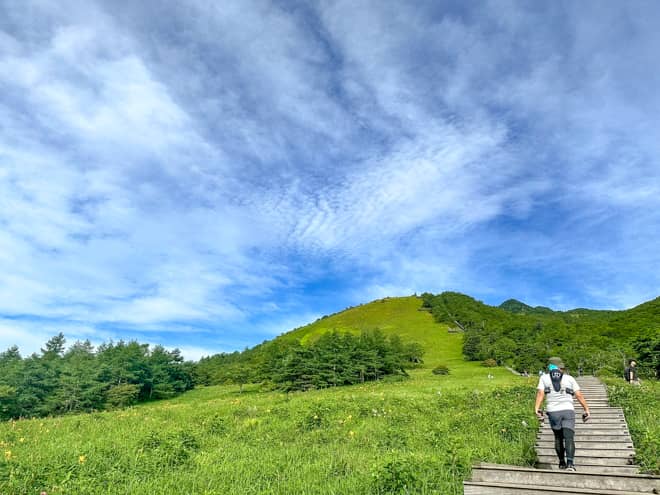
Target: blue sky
208, 175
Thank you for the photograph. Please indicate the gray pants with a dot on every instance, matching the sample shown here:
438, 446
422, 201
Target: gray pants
563, 427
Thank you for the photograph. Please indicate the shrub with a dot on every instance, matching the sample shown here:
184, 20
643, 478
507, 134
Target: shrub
489, 363
441, 370
397, 476
123, 395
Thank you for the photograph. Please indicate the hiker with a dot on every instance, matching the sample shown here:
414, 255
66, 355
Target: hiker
631, 373
558, 388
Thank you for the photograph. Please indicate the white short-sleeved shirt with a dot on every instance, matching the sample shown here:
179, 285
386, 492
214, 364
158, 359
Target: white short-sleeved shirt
558, 401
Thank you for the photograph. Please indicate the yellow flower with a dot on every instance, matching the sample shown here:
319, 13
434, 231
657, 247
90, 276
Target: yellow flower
7, 454
82, 459
21, 439
351, 433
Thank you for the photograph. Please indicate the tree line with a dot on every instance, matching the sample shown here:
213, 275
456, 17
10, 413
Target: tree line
82, 378
523, 337
334, 359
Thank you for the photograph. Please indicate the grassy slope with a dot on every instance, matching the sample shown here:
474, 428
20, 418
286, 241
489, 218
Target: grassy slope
394, 315
420, 434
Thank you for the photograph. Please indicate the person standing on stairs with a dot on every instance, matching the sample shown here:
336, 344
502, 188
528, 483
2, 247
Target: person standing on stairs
559, 388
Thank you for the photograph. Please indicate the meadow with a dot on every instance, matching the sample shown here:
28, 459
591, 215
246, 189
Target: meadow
398, 435
415, 436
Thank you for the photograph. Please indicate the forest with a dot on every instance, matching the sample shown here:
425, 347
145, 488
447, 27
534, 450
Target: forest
522, 336
335, 358
81, 378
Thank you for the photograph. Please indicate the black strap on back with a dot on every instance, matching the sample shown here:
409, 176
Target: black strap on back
555, 377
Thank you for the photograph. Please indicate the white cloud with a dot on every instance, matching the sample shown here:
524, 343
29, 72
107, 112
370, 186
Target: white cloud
201, 167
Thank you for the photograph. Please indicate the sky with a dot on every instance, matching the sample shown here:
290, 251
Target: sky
208, 175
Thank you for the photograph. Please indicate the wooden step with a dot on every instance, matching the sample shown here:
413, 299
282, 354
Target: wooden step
587, 444
629, 469
489, 488
541, 477
588, 460
549, 437
606, 452
616, 427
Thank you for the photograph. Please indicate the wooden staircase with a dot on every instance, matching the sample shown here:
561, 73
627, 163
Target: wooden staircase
604, 458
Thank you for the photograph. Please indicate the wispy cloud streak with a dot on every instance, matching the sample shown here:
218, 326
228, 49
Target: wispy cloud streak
223, 171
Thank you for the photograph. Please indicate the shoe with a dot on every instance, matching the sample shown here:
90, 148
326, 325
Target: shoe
570, 467
562, 464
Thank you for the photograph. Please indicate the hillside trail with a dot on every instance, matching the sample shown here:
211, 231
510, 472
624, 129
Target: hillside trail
604, 458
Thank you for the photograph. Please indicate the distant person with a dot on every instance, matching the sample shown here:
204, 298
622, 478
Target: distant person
580, 370
631, 373
558, 388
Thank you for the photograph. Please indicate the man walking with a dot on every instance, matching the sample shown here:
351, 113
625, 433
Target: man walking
631, 373
559, 388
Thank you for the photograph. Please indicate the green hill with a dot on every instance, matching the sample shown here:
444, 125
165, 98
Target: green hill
518, 307
451, 326
402, 316
384, 337
523, 337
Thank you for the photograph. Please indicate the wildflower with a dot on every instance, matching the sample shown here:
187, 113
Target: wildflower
7, 454
82, 459
22, 439
351, 433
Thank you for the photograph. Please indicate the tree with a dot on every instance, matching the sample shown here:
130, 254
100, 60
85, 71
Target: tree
647, 348
54, 347
80, 388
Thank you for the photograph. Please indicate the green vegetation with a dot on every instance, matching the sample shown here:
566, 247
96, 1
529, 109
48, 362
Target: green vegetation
518, 335
84, 379
415, 436
333, 359
414, 339
641, 406
417, 431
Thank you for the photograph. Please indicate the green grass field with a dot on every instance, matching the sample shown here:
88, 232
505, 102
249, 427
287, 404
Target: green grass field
415, 435
420, 435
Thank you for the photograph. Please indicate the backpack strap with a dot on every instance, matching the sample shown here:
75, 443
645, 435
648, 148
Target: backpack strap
547, 386
555, 377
